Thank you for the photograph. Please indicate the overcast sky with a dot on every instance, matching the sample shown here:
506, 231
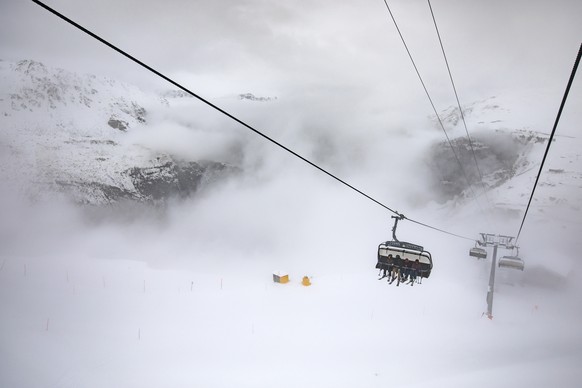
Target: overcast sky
304, 48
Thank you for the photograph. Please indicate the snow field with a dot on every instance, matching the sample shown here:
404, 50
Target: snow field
78, 320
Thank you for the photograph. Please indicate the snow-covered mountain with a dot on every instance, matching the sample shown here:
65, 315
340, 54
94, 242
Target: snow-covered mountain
65, 133
508, 156
69, 134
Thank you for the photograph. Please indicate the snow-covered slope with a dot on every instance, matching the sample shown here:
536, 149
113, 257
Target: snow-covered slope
68, 133
509, 155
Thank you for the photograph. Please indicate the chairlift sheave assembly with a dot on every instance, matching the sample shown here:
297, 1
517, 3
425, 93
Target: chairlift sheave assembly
401, 250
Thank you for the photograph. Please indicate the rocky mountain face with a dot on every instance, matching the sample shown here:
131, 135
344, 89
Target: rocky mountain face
67, 134
496, 152
509, 149
252, 97
498, 157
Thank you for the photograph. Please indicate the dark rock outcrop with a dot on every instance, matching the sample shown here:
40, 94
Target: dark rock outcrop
500, 157
170, 179
118, 124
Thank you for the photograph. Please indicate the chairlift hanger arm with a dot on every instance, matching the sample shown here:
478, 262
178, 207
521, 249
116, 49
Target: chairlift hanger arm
396, 219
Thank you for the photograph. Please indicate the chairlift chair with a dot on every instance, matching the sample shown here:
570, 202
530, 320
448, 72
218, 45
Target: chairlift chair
479, 253
511, 261
404, 250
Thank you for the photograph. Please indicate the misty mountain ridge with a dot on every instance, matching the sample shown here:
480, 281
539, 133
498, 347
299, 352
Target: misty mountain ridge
508, 155
70, 134
252, 97
501, 154
66, 134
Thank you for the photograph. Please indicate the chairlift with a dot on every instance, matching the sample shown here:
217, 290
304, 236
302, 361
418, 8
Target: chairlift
479, 253
401, 250
512, 262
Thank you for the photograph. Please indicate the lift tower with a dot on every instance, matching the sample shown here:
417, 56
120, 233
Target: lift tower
494, 241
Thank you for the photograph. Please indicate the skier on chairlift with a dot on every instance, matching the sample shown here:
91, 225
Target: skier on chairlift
395, 269
414, 271
405, 270
390, 266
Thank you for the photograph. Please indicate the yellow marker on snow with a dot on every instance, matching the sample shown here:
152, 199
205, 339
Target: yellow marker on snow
306, 281
281, 277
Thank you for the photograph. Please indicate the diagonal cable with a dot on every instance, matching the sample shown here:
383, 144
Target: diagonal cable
176, 84
570, 81
459, 104
432, 105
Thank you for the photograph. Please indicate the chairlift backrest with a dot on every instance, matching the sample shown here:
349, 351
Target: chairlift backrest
408, 251
513, 262
477, 252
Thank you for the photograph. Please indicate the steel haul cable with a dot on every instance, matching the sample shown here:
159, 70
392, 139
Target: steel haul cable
176, 84
567, 91
432, 105
459, 105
